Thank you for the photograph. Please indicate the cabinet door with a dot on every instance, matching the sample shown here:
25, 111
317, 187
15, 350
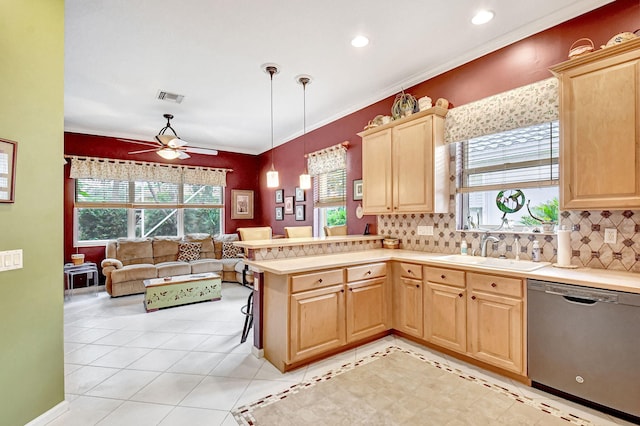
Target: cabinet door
445, 316
413, 166
409, 307
495, 328
316, 322
600, 134
376, 173
366, 308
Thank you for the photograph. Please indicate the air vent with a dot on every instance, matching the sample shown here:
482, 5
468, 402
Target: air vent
170, 97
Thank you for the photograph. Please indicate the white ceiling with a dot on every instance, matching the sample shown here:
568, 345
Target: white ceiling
120, 53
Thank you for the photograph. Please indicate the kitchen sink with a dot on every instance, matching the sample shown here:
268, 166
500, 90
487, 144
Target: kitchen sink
492, 262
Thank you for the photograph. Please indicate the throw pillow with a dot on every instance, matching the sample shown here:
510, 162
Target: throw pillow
230, 251
188, 252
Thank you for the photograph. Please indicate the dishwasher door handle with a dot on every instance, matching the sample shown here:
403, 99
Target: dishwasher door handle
580, 300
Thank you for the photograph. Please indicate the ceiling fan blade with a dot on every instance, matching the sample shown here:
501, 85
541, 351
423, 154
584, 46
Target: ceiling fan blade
183, 155
171, 141
139, 142
143, 150
204, 151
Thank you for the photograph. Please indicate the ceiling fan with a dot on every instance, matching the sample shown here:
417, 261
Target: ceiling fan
170, 146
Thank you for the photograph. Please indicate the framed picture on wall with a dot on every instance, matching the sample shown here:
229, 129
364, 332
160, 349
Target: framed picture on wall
7, 170
300, 212
299, 194
288, 205
357, 189
279, 213
241, 204
279, 195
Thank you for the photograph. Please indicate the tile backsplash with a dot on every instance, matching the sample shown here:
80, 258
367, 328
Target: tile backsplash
587, 236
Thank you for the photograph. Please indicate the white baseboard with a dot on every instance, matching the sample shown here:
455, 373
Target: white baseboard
50, 415
258, 353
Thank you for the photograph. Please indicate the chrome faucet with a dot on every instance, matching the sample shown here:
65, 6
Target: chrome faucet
483, 243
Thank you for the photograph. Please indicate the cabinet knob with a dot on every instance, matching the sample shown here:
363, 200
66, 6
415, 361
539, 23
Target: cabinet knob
350, 289
494, 285
417, 285
368, 273
342, 291
319, 280
473, 298
409, 271
460, 295
443, 276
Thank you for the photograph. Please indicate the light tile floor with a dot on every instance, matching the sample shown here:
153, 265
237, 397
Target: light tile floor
185, 365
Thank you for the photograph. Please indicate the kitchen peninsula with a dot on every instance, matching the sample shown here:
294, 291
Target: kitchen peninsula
319, 296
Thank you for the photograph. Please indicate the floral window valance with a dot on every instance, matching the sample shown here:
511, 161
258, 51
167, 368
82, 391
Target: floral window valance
327, 160
107, 169
522, 107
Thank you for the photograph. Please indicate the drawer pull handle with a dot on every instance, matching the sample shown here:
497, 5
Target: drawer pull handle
494, 285
443, 276
473, 298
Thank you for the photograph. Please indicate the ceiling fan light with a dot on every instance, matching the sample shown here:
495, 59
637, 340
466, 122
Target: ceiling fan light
273, 180
305, 181
168, 153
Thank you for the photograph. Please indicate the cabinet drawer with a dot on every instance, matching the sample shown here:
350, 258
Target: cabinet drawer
411, 270
444, 276
365, 272
315, 280
495, 284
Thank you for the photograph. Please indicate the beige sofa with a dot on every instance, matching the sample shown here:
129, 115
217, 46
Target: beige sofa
128, 262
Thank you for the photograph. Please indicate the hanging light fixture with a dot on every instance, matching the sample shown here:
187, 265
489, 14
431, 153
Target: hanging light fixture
272, 175
305, 178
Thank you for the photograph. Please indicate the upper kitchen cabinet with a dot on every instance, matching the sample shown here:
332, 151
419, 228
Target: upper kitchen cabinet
600, 137
405, 165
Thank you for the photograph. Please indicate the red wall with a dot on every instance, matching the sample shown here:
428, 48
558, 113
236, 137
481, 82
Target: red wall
243, 177
521, 63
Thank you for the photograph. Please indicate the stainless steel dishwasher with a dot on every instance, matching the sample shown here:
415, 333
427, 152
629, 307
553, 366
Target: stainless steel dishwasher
585, 343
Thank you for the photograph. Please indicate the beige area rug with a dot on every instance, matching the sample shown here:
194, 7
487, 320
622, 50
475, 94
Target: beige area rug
400, 387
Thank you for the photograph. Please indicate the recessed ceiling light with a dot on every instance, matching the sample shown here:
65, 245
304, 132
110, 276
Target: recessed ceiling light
359, 41
482, 17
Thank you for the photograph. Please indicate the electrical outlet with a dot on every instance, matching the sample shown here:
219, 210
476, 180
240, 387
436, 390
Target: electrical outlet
425, 230
610, 235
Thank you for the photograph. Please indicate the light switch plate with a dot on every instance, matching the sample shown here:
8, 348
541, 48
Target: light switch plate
610, 235
11, 259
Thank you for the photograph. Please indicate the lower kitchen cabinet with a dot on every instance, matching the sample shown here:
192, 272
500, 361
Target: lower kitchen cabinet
445, 308
366, 308
409, 308
495, 321
317, 322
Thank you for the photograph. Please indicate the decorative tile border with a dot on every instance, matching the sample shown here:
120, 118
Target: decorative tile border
314, 249
243, 415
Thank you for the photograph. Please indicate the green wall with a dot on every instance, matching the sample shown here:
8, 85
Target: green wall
31, 299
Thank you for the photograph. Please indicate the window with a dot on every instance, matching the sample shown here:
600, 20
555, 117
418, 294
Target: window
329, 197
109, 209
523, 159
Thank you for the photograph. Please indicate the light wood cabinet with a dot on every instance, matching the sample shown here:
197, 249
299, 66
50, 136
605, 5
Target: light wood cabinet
495, 321
445, 308
600, 129
367, 311
317, 321
409, 308
405, 165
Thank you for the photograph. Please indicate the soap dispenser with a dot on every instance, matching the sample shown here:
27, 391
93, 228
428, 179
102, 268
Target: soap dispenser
463, 248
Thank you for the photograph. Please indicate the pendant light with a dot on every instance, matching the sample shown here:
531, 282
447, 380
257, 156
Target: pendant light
272, 175
305, 178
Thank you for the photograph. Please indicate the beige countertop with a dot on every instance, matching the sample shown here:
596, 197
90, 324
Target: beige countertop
284, 242
598, 278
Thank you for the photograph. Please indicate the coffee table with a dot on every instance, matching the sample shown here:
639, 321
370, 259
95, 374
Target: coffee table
181, 290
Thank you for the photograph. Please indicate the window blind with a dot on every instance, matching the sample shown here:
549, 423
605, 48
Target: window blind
330, 189
519, 158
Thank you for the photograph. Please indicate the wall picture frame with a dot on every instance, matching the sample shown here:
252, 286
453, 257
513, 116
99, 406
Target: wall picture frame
288, 205
8, 155
299, 194
279, 195
279, 213
241, 204
300, 212
357, 190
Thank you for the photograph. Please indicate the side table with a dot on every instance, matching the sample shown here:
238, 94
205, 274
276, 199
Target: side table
71, 270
